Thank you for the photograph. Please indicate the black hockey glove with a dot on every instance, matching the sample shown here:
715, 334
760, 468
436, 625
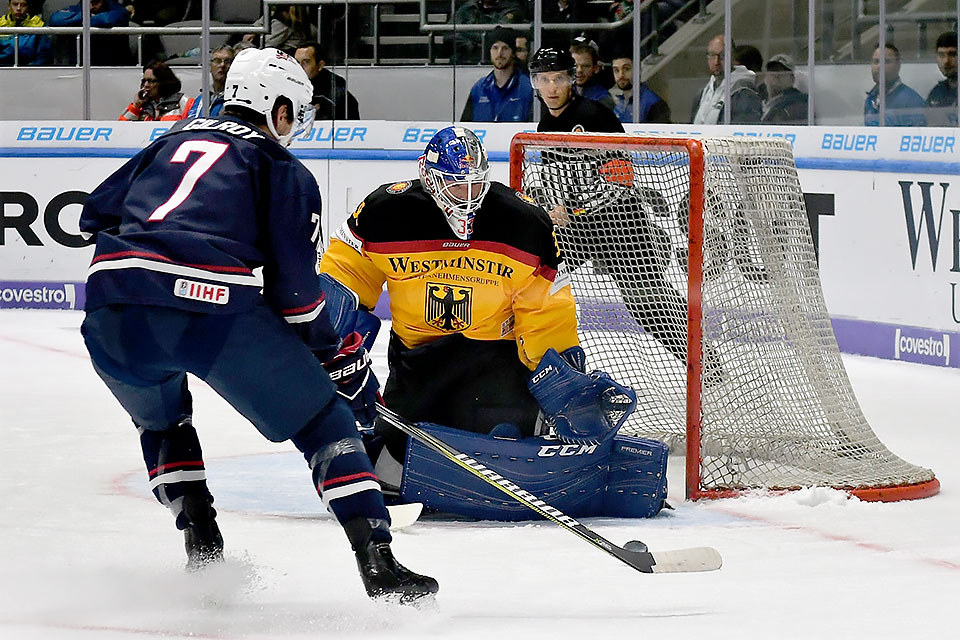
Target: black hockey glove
350, 370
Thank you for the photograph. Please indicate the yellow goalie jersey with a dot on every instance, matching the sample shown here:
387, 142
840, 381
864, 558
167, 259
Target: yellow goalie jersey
506, 282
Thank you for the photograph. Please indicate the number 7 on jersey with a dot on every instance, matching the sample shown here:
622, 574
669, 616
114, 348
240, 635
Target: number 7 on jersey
209, 152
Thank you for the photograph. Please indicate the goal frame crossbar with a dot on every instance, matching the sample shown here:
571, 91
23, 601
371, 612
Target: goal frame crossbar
696, 153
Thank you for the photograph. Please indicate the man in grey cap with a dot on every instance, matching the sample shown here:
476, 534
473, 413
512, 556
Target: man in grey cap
785, 103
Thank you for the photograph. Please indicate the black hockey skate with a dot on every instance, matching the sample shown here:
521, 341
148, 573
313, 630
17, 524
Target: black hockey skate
201, 535
383, 577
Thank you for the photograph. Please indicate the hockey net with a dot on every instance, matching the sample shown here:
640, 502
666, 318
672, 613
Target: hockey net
748, 378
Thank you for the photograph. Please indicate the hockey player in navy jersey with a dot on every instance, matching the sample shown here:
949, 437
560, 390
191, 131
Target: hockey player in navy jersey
206, 257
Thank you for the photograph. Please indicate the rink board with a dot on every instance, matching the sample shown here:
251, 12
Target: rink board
884, 206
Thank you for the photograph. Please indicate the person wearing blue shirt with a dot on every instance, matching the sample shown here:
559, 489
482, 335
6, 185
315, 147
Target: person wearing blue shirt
220, 61
586, 56
105, 50
942, 100
904, 106
652, 107
505, 94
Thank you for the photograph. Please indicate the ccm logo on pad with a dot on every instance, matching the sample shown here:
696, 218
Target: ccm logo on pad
548, 451
538, 377
214, 293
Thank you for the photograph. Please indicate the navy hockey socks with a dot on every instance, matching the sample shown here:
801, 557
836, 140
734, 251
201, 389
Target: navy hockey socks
342, 472
175, 467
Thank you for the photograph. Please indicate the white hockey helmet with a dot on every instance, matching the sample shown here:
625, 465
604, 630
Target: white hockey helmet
258, 77
453, 169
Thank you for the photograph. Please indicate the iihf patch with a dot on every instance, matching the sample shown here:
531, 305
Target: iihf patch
399, 187
525, 197
193, 290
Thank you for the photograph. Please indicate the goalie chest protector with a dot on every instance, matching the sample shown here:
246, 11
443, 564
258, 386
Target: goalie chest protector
624, 477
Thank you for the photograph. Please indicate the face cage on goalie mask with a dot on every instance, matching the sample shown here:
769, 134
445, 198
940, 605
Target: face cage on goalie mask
458, 210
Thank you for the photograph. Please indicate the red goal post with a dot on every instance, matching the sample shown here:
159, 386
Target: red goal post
696, 283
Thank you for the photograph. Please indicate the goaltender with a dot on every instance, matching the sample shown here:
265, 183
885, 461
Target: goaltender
483, 336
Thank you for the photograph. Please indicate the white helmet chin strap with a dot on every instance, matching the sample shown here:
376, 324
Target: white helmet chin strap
282, 139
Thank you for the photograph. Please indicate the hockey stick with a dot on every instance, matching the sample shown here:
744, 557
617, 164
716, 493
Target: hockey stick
634, 553
404, 515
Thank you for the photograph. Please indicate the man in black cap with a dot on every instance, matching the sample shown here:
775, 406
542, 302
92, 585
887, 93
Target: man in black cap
505, 94
785, 103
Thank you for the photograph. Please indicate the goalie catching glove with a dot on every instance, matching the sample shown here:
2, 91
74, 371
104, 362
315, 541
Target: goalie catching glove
350, 370
584, 408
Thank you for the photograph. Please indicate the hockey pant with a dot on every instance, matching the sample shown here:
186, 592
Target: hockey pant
256, 363
471, 384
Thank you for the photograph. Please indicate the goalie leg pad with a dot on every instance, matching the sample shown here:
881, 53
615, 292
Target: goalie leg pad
637, 480
570, 477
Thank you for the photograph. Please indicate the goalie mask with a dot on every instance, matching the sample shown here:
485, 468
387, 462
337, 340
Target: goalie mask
453, 169
258, 77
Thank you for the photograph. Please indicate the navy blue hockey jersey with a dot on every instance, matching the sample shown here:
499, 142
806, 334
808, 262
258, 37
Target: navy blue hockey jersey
213, 217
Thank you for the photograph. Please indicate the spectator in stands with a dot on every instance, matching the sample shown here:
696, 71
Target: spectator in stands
290, 28
904, 106
561, 11
504, 94
745, 104
786, 104
24, 49
586, 58
105, 50
330, 96
157, 14
750, 57
159, 97
468, 45
220, 61
521, 51
941, 103
652, 106
622, 36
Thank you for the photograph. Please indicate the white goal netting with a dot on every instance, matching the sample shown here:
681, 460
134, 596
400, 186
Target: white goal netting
777, 408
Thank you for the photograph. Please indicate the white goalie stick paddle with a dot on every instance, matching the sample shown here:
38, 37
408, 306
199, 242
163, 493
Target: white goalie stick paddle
634, 553
404, 515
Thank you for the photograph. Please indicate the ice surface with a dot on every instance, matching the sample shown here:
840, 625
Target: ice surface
85, 552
